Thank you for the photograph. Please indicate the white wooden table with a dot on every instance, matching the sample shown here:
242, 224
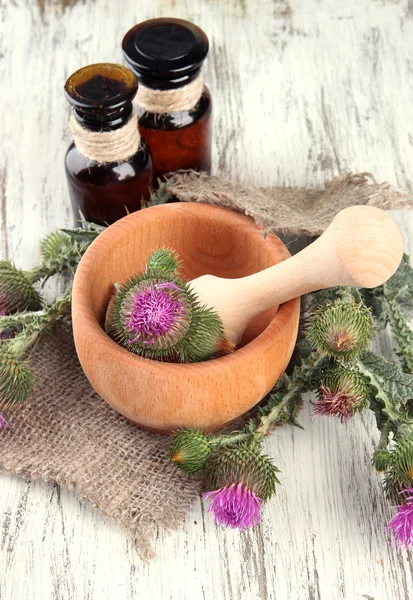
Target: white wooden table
303, 90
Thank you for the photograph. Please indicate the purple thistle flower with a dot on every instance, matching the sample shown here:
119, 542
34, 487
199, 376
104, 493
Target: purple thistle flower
3, 422
402, 523
154, 313
235, 506
336, 403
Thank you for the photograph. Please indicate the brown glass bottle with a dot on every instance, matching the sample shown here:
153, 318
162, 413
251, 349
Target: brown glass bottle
167, 54
109, 179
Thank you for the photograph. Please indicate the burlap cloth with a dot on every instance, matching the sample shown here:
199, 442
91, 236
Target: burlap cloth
68, 434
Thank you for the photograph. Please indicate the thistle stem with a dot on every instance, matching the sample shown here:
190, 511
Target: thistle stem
21, 343
267, 422
229, 438
34, 323
276, 409
384, 437
299, 382
43, 272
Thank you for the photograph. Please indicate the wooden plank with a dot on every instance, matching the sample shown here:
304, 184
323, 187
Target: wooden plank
301, 91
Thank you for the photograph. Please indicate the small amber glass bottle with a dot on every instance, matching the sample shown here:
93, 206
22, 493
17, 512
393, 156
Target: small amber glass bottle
174, 106
108, 167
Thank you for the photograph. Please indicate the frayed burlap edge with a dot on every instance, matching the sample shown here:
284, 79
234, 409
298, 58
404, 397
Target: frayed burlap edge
289, 210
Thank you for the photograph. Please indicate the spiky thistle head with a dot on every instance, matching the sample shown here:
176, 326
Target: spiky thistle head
401, 525
62, 250
343, 392
17, 293
400, 465
156, 315
54, 245
16, 378
190, 449
245, 465
239, 478
164, 258
381, 459
341, 329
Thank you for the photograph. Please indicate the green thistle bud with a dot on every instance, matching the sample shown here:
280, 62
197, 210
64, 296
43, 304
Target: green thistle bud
60, 251
343, 392
400, 468
17, 293
54, 245
164, 259
243, 465
381, 459
190, 449
16, 378
341, 329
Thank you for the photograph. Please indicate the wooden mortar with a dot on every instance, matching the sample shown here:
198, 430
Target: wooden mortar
163, 396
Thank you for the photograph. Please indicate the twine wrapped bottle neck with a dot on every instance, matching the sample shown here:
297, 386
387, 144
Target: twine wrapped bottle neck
107, 146
167, 101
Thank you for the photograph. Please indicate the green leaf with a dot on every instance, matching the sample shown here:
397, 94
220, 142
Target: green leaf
87, 233
393, 387
402, 334
398, 288
393, 378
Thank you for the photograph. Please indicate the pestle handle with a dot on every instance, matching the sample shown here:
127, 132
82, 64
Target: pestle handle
363, 247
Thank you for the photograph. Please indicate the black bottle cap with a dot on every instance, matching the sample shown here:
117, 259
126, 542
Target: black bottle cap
165, 53
101, 93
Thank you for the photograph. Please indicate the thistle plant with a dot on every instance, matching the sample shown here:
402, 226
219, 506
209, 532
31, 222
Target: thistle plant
401, 525
156, 315
16, 378
333, 359
25, 317
343, 392
17, 293
241, 479
341, 329
191, 449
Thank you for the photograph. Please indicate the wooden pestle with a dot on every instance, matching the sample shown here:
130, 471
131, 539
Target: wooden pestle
362, 247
